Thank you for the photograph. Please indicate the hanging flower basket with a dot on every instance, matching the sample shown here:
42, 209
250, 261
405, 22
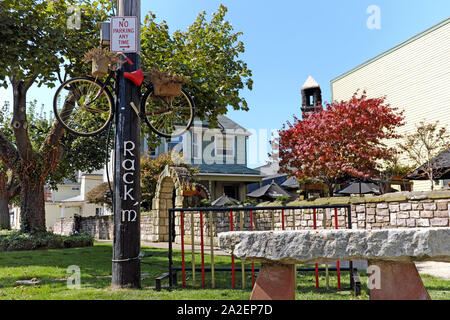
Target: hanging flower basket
100, 67
102, 61
164, 84
188, 193
188, 189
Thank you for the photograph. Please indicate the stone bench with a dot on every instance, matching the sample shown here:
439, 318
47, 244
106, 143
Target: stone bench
393, 251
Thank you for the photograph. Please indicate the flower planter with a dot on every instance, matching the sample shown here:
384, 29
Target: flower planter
188, 193
165, 85
167, 90
100, 67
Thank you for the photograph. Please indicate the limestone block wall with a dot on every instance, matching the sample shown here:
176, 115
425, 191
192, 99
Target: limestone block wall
397, 210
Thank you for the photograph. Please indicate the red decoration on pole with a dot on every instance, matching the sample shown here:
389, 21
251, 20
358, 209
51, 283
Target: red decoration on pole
282, 219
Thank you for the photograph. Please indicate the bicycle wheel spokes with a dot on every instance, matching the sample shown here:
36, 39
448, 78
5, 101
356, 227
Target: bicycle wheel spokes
83, 106
169, 117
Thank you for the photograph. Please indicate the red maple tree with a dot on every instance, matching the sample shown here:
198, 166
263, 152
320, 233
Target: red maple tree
347, 139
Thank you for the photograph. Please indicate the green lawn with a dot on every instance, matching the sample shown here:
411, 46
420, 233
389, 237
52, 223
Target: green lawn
50, 267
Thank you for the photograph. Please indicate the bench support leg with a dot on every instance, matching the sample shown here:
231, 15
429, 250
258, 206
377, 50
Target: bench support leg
275, 282
397, 281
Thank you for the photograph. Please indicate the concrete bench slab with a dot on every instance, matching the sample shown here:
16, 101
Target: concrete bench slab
391, 250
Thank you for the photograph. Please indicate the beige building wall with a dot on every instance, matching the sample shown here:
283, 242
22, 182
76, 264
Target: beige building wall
65, 192
414, 76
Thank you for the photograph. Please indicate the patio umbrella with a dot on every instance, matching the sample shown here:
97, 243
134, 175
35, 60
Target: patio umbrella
268, 192
223, 200
366, 187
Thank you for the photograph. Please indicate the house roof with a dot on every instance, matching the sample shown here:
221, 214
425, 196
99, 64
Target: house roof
442, 168
291, 183
79, 198
225, 123
227, 169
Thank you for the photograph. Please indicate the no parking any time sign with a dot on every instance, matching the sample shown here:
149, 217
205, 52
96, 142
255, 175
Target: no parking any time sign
123, 34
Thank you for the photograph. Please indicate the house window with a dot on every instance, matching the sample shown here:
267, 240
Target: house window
76, 189
98, 211
152, 152
225, 146
196, 145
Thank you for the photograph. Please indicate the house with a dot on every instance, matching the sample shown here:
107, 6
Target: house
67, 200
414, 76
220, 153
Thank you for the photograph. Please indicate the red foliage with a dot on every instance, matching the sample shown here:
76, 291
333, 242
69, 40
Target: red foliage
345, 139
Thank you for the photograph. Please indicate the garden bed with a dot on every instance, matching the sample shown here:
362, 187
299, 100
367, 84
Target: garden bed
18, 241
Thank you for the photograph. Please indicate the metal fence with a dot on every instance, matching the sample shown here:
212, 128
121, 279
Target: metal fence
236, 216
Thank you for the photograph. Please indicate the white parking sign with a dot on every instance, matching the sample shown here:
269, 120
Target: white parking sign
123, 34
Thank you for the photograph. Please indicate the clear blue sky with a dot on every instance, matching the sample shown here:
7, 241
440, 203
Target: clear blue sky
287, 40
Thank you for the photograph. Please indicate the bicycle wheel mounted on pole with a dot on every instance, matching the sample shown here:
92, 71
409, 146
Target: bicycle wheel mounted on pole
83, 106
168, 116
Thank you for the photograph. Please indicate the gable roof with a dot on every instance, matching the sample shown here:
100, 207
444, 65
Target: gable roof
225, 124
227, 169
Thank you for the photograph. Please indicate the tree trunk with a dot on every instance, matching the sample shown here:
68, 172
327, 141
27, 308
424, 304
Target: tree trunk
330, 190
4, 210
32, 207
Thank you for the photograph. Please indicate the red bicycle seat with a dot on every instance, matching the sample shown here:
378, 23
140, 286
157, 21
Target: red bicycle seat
136, 76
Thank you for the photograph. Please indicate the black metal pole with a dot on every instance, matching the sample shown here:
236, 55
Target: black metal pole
126, 267
171, 232
350, 264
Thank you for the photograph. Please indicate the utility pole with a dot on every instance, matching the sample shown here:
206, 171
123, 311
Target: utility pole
126, 267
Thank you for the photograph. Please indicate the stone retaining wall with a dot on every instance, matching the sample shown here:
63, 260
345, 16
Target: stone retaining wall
101, 227
408, 210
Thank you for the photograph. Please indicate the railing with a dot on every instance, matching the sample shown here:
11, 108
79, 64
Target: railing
206, 221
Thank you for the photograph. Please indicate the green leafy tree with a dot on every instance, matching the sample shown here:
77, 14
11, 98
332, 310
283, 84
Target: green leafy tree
77, 153
40, 45
207, 53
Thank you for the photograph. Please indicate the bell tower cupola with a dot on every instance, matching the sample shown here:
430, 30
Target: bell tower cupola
311, 97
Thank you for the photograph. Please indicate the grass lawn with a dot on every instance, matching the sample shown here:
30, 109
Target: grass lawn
50, 267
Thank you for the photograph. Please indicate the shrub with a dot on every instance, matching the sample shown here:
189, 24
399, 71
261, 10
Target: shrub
205, 203
250, 202
283, 199
18, 241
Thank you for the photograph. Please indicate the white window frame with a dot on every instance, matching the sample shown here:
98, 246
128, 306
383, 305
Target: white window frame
198, 143
224, 138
